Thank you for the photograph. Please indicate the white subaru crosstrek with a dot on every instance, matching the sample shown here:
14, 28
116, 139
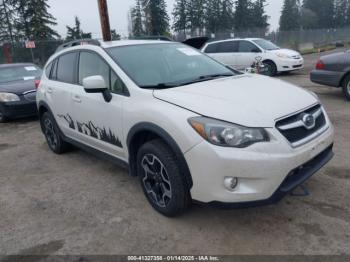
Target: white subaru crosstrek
242, 53
190, 128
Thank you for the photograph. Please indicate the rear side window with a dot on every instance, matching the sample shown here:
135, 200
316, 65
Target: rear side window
66, 68
212, 48
228, 47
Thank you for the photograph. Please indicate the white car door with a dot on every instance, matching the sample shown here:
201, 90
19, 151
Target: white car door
247, 54
224, 52
99, 123
58, 90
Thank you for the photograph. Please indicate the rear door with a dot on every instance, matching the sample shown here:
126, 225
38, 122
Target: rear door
224, 52
247, 54
62, 81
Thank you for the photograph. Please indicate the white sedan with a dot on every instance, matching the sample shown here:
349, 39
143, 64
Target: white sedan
242, 53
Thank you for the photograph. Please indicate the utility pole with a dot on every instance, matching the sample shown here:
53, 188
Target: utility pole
106, 29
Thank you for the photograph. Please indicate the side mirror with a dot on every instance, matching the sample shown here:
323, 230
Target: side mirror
96, 84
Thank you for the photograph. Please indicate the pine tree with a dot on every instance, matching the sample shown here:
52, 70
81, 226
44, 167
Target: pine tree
258, 15
136, 19
34, 21
74, 33
290, 18
340, 13
226, 16
115, 35
323, 10
212, 18
242, 16
180, 15
156, 17
197, 15
7, 17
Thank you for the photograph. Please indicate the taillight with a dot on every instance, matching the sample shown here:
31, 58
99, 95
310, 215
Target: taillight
37, 83
320, 65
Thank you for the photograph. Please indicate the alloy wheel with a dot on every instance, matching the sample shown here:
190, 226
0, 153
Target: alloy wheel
156, 180
50, 133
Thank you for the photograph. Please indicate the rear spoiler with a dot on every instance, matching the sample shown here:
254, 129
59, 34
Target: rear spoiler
196, 42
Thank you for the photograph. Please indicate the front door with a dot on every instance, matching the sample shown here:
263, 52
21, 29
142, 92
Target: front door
247, 54
99, 123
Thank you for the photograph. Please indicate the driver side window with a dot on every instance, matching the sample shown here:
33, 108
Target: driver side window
247, 47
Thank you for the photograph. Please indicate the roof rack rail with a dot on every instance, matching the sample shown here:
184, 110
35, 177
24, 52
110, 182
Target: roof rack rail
151, 37
78, 42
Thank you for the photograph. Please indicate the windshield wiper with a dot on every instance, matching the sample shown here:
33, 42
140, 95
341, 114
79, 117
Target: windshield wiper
160, 86
207, 78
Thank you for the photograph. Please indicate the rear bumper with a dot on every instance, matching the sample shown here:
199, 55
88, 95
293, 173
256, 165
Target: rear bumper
19, 109
328, 78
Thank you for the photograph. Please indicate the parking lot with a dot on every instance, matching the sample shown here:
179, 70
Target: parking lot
79, 204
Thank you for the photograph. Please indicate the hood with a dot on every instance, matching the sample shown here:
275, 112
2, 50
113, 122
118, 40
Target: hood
248, 100
286, 51
18, 87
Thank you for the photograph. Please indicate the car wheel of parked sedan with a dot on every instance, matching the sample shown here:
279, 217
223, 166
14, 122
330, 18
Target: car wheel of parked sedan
52, 134
271, 68
3, 119
161, 179
346, 87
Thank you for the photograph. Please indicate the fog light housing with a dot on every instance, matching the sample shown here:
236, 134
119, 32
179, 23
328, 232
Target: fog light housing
230, 183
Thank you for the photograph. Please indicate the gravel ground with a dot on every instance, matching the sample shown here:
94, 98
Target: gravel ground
79, 204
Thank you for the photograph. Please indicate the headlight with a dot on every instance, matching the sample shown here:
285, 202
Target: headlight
225, 134
8, 97
281, 55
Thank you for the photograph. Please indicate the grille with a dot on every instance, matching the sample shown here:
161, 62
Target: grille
296, 57
297, 132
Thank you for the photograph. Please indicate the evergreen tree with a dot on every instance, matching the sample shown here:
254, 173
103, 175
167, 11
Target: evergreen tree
340, 13
197, 15
74, 33
156, 17
34, 21
180, 15
136, 19
242, 18
323, 10
258, 16
7, 17
115, 35
226, 15
290, 17
212, 18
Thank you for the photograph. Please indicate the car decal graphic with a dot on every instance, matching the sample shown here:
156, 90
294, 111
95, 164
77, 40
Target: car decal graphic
92, 130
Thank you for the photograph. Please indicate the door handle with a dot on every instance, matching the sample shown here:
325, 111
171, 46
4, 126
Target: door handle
49, 90
76, 99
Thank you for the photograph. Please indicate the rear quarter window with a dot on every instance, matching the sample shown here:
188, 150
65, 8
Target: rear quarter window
66, 68
211, 48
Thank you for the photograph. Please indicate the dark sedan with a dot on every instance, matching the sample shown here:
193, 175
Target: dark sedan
18, 90
333, 70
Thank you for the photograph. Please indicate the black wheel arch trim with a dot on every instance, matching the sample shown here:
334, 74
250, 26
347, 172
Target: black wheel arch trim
164, 135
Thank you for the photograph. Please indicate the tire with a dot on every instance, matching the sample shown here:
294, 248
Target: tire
52, 134
3, 119
271, 68
165, 187
346, 87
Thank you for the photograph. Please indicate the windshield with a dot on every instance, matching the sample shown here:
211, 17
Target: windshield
18, 73
166, 65
267, 45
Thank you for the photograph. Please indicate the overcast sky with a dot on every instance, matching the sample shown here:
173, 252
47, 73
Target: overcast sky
86, 10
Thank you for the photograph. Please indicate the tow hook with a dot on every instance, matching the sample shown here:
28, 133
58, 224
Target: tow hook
300, 191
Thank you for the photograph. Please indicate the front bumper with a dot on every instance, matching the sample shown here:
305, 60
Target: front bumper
262, 170
286, 65
19, 109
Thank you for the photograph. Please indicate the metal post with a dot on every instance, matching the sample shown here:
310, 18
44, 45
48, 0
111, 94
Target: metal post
106, 29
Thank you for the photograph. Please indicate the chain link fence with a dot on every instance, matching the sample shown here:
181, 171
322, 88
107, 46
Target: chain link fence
298, 40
